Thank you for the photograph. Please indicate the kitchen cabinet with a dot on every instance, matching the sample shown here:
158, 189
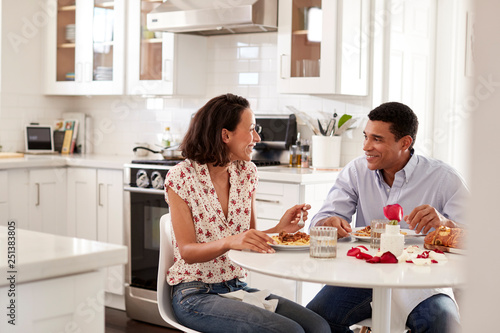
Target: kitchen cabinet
95, 212
161, 63
85, 47
47, 201
324, 46
272, 199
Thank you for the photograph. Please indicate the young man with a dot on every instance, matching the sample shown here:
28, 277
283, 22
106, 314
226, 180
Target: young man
431, 193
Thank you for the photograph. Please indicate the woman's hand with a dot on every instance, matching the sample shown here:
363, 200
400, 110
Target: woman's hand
251, 239
289, 220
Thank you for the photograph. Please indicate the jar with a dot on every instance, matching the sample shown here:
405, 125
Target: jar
392, 240
295, 156
304, 156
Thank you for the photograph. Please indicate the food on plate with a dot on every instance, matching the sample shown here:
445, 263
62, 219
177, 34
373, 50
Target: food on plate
298, 238
444, 236
365, 232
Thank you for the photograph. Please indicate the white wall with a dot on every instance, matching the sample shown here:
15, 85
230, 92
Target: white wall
483, 290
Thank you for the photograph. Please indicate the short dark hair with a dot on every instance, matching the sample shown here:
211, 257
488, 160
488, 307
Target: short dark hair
402, 119
203, 141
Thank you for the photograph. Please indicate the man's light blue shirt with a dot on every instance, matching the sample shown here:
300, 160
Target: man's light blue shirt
422, 181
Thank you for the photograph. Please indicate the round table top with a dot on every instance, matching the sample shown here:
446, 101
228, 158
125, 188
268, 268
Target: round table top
351, 272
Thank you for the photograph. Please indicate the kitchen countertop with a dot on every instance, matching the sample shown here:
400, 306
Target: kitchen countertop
297, 175
40, 256
282, 173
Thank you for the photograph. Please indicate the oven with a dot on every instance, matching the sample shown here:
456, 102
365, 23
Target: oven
144, 206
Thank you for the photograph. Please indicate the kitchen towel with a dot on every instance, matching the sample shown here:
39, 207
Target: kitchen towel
257, 298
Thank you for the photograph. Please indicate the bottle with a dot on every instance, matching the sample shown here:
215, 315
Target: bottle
293, 155
305, 155
166, 139
392, 240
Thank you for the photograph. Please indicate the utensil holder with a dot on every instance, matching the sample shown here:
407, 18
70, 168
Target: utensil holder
326, 151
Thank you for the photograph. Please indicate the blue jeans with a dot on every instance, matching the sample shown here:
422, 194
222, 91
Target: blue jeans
343, 307
197, 305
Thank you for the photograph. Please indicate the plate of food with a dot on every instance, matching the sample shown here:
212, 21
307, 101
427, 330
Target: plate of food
291, 241
363, 233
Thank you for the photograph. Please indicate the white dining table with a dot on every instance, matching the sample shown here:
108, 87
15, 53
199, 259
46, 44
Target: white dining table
348, 271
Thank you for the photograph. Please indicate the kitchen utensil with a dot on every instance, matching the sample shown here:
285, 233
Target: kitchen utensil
321, 129
169, 153
305, 119
345, 126
301, 222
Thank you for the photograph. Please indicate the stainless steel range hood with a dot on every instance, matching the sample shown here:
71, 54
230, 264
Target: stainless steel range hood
214, 17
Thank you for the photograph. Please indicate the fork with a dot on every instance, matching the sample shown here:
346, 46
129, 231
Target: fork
301, 222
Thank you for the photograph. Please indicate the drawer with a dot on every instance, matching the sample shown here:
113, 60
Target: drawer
273, 199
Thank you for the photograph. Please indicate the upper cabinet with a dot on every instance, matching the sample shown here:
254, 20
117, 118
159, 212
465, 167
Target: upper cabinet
323, 46
161, 63
85, 48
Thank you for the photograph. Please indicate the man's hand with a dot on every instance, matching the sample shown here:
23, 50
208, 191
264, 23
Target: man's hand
424, 218
343, 227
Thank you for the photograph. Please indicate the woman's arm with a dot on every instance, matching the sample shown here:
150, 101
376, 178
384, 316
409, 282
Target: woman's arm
290, 219
193, 252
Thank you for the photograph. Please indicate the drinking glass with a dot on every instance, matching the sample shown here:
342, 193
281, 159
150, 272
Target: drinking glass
323, 242
377, 229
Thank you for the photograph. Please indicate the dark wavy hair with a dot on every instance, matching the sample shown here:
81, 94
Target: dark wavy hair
203, 141
402, 119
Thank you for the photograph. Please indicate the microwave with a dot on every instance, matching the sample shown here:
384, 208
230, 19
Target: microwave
278, 132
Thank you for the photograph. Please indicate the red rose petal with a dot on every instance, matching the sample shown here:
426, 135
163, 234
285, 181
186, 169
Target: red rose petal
363, 255
362, 246
434, 261
409, 261
353, 252
388, 258
374, 260
438, 251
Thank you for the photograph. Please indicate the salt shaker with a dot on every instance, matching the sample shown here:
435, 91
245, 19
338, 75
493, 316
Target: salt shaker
392, 240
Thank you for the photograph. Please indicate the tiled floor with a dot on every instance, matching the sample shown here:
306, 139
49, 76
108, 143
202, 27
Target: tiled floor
118, 322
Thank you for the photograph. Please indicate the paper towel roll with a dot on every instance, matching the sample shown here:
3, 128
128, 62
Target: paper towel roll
326, 151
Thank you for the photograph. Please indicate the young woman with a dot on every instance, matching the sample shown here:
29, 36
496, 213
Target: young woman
211, 196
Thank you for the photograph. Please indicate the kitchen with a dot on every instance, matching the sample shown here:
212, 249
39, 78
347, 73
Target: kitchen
122, 120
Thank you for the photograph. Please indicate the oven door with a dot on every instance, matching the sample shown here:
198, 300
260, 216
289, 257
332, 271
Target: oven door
147, 206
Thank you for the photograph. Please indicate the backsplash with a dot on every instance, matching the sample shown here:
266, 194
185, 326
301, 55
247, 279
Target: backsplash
241, 64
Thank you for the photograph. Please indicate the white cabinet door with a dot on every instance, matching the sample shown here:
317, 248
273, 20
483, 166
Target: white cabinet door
18, 187
47, 201
162, 63
323, 46
110, 226
85, 45
82, 203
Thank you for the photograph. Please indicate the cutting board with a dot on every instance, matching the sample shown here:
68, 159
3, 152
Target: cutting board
10, 155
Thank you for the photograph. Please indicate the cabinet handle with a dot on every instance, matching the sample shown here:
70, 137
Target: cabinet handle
78, 72
99, 194
37, 194
268, 201
283, 70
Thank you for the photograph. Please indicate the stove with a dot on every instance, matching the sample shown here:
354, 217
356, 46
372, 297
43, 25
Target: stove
258, 163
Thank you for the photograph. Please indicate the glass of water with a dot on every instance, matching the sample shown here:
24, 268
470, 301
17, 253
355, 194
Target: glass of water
323, 242
377, 229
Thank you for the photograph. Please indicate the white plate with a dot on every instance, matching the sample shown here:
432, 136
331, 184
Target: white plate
409, 234
281, 247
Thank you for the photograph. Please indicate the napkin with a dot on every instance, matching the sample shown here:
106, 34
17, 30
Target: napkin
257, 298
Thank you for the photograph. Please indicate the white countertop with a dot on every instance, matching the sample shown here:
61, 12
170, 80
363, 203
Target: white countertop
269, 173
297, 175
53, 161
40, 256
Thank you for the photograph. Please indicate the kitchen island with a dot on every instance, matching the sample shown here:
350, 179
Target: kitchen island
53, 283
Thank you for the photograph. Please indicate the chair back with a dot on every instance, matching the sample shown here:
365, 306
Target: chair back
164, 290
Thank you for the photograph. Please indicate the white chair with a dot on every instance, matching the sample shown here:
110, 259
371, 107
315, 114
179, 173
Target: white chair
367, 323
164, 289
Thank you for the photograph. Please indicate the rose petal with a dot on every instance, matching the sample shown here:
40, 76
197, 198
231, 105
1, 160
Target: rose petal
353, 252
374, 260
363, 255
388, 258
363, 247
421, 261
438, 251
409, 261
434, 261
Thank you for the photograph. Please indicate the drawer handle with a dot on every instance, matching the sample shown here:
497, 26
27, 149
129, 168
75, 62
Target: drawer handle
268, 201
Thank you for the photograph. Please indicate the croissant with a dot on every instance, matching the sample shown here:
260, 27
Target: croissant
444, 236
